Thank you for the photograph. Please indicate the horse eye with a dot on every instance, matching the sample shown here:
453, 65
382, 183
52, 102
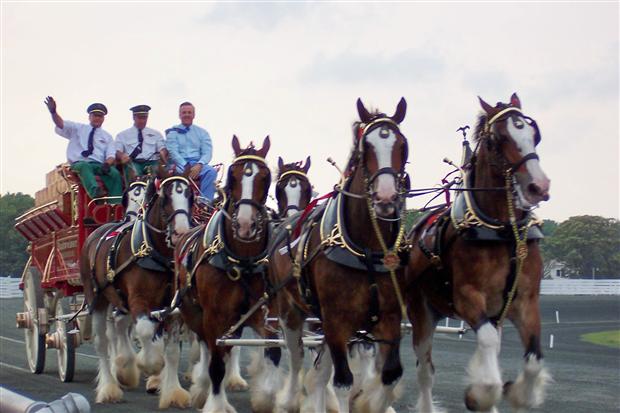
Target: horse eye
518, 124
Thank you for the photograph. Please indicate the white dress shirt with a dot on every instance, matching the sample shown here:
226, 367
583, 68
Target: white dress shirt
77, 133
153, 142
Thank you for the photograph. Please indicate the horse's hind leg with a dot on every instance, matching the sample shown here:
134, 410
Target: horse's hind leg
528, 390
171, 392
125, 364
235, 382
108, 389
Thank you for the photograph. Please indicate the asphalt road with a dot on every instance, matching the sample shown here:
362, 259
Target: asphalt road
586, 376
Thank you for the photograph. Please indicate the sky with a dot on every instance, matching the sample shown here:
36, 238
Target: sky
294, 71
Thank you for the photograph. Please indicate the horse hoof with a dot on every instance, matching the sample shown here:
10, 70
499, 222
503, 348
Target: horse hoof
198, 396
152, 384
237, 384
109, 393
482, 397
178, 398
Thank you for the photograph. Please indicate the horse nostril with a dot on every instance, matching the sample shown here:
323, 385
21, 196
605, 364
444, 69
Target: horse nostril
534, 189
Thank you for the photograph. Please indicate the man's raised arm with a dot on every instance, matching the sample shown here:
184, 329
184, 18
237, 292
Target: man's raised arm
51, 106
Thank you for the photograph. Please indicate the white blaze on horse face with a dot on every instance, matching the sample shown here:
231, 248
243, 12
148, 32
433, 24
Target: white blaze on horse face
135, 201
293, 194
385, 186
523, 135
180, 202
244, 217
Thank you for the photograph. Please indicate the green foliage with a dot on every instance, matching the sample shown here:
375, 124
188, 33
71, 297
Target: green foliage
13, 254
585, 243
411, 216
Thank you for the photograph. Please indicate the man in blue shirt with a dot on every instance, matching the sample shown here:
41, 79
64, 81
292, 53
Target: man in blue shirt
189, 147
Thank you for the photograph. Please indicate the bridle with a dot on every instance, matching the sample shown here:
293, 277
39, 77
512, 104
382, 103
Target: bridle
491, 137
400, 176
125, 201
261, 216
281, 182
168, 218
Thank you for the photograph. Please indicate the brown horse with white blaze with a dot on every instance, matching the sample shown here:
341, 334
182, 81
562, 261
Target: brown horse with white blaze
348, 263
130, 269
293, 188
479, 260
221, 269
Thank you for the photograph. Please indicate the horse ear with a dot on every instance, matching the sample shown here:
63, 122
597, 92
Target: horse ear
307, 165
401, 109
266, 145
280, 162
487, 108
236, 146
363, 113
162, 172
514, 101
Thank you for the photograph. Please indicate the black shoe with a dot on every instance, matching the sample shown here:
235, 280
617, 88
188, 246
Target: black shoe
89, 221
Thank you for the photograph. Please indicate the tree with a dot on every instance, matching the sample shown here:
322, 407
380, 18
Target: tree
13, 255
587, 245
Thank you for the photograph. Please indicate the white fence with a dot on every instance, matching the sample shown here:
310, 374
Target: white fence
9, 288
580, 287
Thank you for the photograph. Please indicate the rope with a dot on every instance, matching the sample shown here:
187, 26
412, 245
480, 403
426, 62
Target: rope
520, 246
390, 257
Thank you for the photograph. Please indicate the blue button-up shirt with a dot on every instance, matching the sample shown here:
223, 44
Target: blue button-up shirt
194, 144
77, 133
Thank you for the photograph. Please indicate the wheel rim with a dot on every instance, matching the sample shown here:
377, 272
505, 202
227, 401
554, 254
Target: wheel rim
66, 349
35, 343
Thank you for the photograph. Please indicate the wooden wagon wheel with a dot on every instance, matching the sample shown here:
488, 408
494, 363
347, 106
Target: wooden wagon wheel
35, 339
64, 342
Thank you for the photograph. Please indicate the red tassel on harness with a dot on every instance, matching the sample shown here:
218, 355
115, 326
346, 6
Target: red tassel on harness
307, 211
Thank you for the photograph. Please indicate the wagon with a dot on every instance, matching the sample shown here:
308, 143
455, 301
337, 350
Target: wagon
63, 217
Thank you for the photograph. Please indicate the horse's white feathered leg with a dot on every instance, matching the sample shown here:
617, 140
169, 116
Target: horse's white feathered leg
235, 382
125, 366
150, 358
200, 378
485, 388
287, 399
528, 391
108, 390
171, 393
316, 381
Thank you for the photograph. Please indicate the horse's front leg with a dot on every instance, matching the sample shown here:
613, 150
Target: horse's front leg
424, 325
108, 390
528, 390
217, 402
150, 358
320, 397
266, 375
235, 382
377, 392
287, 399
126, 368
171, 392
337, 333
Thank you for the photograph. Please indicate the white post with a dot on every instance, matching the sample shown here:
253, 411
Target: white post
551, 341
557, 316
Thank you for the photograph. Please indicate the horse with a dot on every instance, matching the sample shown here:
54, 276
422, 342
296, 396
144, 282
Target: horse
128, 268
347, 275
221, 275
479, 260
293, 188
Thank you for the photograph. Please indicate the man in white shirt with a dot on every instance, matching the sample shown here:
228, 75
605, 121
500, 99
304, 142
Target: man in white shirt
139, 148
90, 150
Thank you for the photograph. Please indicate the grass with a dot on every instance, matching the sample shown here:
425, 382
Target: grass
603, 338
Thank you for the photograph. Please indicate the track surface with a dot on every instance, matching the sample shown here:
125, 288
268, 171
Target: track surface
587, 376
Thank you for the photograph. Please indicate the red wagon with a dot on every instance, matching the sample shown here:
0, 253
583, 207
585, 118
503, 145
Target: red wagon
63, 217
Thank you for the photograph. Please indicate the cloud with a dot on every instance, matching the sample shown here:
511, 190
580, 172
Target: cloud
259, 16
409, 66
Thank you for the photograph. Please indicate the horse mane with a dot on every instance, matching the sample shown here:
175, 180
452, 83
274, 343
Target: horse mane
250, 150
482, 119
